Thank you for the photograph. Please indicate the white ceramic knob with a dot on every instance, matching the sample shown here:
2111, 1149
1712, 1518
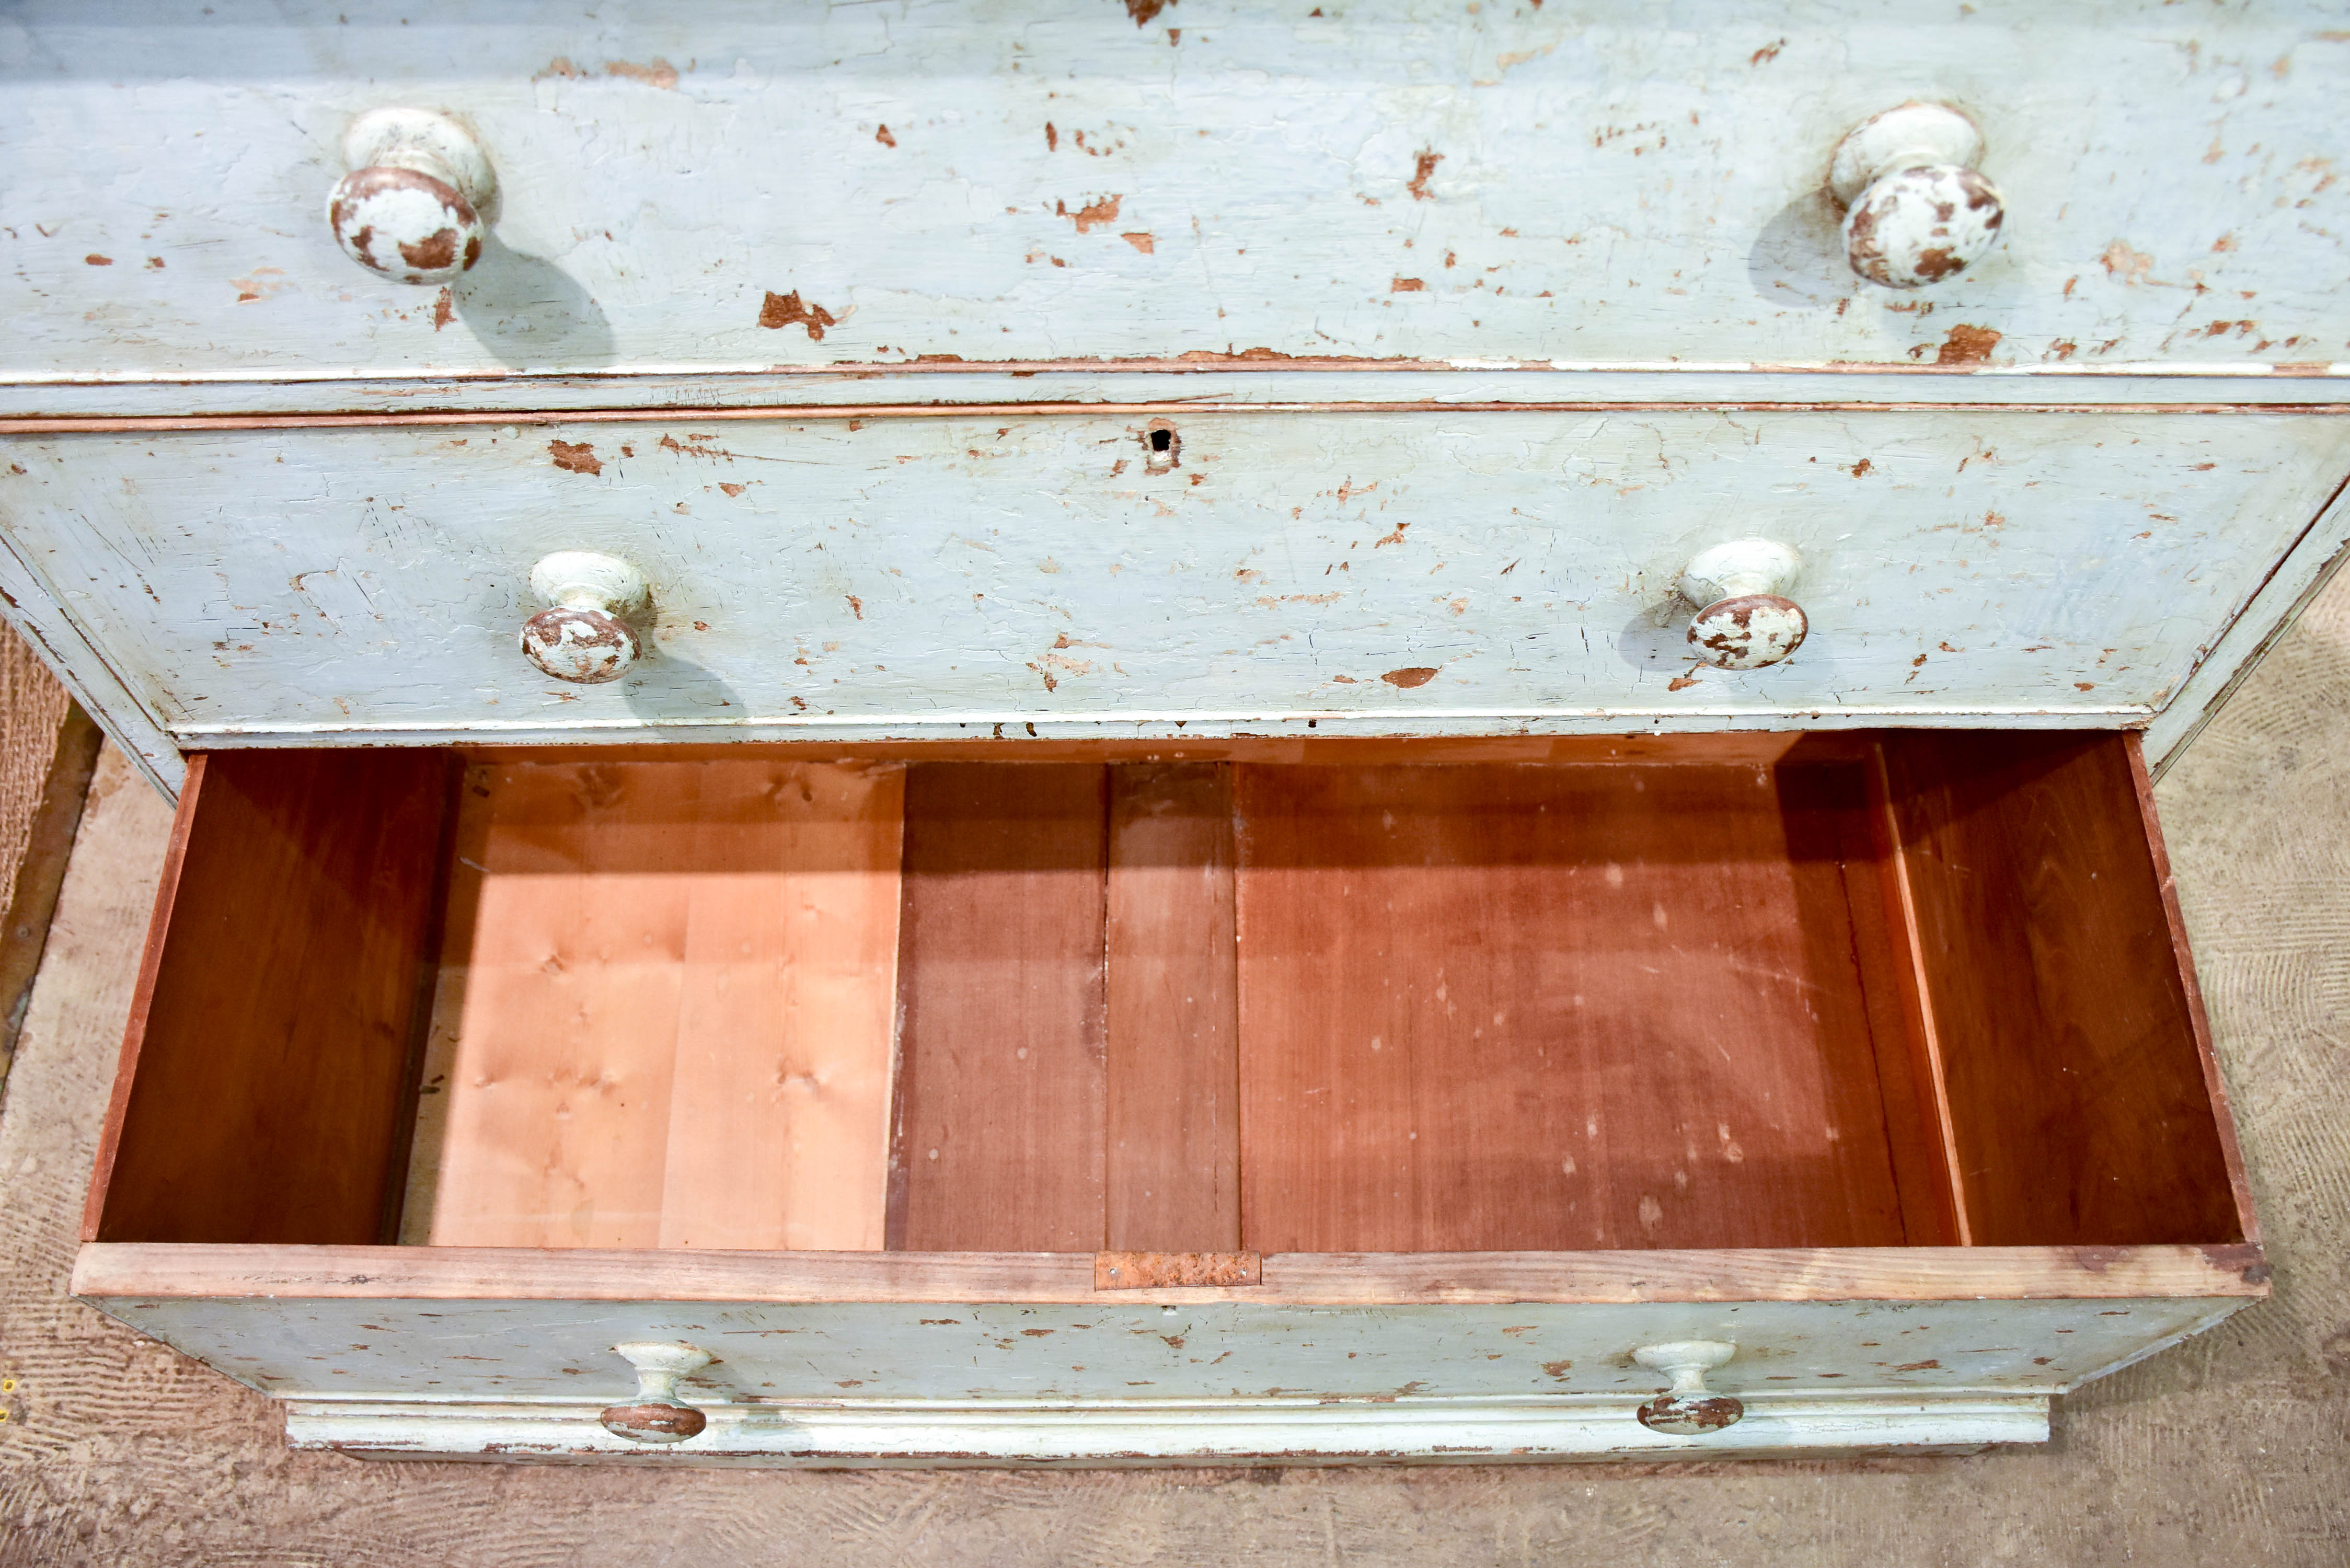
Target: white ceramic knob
584, 636
412, 207
1744, 619
1916, 209
655, 1416
1688, 1409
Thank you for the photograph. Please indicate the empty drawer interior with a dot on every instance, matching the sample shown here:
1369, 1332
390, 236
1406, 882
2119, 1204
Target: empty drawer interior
1866, 991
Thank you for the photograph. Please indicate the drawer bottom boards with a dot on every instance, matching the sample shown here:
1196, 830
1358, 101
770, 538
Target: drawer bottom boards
1339, 1101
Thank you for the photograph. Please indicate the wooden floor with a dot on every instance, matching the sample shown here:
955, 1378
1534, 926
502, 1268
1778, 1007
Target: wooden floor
117, 1451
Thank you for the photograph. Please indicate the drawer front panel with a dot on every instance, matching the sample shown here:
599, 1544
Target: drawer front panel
1430, 572
541, 1350
748, 186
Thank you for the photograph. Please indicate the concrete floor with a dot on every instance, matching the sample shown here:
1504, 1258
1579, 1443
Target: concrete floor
2228, 1449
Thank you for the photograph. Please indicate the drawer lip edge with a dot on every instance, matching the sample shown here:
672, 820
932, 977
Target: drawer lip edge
945, 1433
125, 1271
370, 394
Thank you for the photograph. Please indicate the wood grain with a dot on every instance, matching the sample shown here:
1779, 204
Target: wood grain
2078, 1104
669, 1024
1754, 748
1908, 1054
266, 1064
1489, 1007
1001, 1094
1172, 1178
2215, 1084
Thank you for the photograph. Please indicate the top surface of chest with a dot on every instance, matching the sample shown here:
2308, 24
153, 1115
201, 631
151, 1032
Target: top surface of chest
731, 187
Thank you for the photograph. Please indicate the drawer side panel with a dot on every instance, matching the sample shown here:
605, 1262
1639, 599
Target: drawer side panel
267, 1082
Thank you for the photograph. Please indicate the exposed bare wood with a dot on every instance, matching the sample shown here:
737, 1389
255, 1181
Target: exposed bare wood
2223, 1114
998, 1127
1937, 1193
672, 1021
268, 1052
2079, 1106
1160, 1270
1489, 1006
1757, 748
1173, 1109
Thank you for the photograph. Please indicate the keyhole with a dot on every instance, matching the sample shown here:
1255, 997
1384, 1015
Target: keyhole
1163, 449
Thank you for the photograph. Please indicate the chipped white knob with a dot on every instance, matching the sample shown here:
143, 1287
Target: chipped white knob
1916, 209
656, 1415
1688, 1409
584, 636
1745, 620
412, 207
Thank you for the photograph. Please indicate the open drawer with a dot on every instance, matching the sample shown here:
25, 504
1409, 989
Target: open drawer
1308, 1099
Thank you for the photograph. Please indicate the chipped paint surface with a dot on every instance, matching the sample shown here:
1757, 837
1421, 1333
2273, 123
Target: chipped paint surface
1958, 372
1398, 573
1160, 1432
296, 1346
1612, 188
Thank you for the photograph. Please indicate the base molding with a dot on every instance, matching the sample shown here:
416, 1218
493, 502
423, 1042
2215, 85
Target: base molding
918, 1433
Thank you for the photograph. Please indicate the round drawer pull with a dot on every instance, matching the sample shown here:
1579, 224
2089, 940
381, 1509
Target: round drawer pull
411, 207
1916, 210
655, 1416
1687, 1409
1744, 621
584, 636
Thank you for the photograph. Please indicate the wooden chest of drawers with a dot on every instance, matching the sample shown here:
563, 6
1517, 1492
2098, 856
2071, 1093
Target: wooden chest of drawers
1165, 733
